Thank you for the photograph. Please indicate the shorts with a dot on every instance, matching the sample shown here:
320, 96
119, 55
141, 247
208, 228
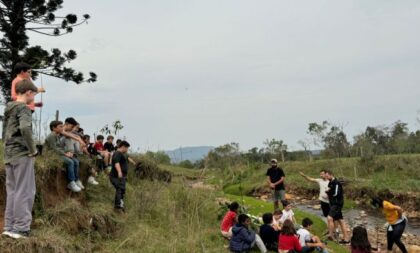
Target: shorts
325, 207
335, 212
279, 195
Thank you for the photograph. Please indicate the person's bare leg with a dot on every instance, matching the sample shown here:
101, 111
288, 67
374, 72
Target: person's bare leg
316, 239
344, 230
331, 227
106, 158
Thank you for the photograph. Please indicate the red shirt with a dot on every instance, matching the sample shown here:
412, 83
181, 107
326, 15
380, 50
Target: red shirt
14, 95
289, 242
99, 146
228, 221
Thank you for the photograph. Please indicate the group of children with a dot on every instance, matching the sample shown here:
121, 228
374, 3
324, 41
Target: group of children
280, 233
66, 140
69, 142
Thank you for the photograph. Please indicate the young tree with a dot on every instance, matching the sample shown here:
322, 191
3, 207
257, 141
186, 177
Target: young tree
275, 148
17, 19
306, 145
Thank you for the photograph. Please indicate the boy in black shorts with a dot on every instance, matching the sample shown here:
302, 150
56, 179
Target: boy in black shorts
336, 198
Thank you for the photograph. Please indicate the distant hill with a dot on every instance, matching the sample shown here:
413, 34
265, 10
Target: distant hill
189, 153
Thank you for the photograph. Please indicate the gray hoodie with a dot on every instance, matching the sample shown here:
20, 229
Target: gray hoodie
17, 132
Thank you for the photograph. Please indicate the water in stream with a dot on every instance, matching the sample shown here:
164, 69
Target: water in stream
373, 219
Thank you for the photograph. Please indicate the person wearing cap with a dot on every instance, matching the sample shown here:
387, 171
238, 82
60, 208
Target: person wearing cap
19, 158
275, 178
23, 71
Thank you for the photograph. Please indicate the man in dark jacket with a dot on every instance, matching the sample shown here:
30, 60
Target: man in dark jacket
336, 199
244, 239
19, 157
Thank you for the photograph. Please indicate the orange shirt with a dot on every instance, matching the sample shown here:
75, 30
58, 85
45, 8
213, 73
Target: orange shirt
390, 212
14, 95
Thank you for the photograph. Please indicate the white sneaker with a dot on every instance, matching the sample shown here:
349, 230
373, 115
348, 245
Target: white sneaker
18, 235
73, 187
7, 233
122, 203
79, 183
92, 181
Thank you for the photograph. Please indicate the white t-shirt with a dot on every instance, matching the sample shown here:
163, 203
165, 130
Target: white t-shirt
287, 215
276, 222
323, 186
304, 236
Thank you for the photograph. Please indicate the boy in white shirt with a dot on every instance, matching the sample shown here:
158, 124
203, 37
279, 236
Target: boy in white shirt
288, 213
309, 242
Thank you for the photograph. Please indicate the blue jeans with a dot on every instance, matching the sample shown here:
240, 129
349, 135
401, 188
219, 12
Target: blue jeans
72, 168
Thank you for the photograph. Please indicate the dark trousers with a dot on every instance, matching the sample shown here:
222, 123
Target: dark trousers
394, 236
325, 207
119, 185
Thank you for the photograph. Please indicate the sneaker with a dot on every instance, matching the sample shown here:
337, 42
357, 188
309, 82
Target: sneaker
20, 234
73, 187
92, 181
122, 204
7, 233
79, 183
108, 169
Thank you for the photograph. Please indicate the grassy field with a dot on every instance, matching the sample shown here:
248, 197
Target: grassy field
394, 173
253, 206
175, 217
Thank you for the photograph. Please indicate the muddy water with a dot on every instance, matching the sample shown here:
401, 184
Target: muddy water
373, 219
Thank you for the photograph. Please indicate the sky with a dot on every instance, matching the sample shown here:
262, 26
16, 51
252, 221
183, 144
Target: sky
192, 72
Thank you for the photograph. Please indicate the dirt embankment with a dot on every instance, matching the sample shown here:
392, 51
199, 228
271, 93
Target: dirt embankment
51, 190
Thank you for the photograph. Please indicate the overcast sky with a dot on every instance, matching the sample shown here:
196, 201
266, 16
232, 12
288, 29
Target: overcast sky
186, 73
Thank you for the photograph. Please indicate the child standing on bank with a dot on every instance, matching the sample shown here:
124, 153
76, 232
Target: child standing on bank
19, 157
118, 175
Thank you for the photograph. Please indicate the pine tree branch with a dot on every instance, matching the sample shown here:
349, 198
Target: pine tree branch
48, 34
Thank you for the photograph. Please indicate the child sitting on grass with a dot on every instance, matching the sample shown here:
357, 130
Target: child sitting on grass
109, 144
288, 213
244, 239
288, 241
276, 219
308, 241
105, 155
268, 233
54, 143
359, 241
229, 220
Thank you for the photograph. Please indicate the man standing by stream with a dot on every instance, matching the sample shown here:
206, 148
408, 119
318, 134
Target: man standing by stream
336, 198
275, 178
323, 186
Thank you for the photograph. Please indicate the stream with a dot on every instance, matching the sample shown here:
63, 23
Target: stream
373, 219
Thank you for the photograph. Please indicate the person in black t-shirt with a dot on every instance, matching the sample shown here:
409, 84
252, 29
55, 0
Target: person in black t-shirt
275, 178
336, 198
118, 175
268, 234
109, 144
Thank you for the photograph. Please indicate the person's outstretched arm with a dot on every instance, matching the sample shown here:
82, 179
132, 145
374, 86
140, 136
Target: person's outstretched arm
310, 179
